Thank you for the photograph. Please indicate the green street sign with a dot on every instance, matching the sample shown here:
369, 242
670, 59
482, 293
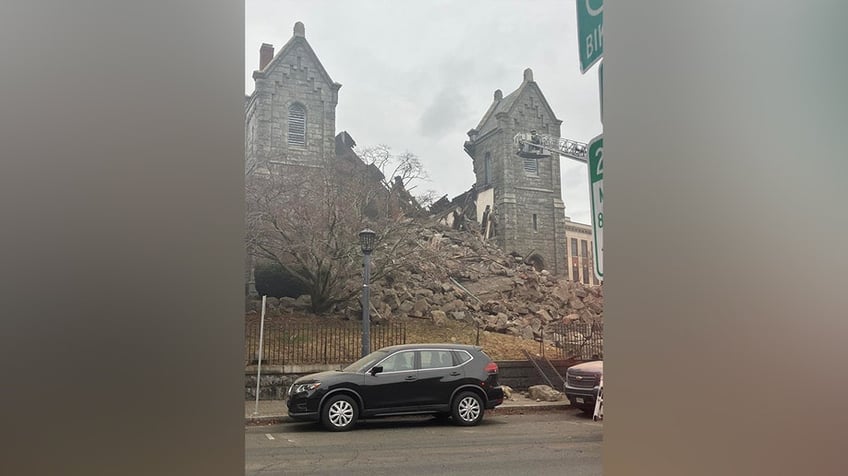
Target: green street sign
590, 32
596, 188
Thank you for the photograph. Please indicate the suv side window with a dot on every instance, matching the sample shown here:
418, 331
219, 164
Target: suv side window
399, 362
461, 357
434, 359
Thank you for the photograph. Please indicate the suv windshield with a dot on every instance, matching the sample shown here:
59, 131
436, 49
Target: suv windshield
366, 362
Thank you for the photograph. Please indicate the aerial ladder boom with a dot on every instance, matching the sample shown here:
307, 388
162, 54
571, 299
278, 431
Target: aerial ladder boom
533, 145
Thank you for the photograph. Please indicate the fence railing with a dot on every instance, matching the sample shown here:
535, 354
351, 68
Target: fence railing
331, 342
579, 340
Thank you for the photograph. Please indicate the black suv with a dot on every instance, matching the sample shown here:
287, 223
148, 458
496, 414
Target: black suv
447, 380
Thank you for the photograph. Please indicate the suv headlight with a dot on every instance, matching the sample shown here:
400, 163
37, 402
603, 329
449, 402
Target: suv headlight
304, 387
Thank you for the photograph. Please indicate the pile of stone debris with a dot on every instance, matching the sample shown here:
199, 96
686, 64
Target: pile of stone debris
457, 275
449, 274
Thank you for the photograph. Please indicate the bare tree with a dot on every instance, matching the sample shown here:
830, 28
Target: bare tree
402, 174
307, 221
427, 198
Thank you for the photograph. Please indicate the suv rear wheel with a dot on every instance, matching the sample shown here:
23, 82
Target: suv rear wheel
339, 413
467, 409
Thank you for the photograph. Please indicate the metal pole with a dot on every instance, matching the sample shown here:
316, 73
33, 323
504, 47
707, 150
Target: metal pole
366, 307
542, 344
259, 366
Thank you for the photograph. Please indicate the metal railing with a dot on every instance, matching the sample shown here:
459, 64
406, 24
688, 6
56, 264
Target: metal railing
579, 340
331, 342
546, 370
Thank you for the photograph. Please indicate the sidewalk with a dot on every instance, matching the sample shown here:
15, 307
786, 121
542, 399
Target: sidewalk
274, 411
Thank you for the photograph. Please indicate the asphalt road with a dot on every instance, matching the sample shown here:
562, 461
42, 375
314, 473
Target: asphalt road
555, 443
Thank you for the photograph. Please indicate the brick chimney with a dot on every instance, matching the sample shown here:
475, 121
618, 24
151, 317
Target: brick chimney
266, 54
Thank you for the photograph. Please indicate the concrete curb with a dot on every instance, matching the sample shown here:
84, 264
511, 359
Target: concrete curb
267, 420
522, 409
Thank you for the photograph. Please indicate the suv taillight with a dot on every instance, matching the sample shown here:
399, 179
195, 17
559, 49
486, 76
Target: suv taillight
491, 368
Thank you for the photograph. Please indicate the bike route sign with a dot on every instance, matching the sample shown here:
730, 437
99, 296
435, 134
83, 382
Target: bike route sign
590, 32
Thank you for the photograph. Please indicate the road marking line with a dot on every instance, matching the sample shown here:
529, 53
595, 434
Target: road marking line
584, 423
269, 436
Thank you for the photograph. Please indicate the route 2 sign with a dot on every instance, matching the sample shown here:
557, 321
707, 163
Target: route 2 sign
596, 188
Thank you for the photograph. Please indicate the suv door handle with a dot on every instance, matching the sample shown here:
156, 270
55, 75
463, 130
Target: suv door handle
411, 377
455, 374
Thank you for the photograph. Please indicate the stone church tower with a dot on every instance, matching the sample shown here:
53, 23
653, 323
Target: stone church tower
290, 127
290, 119
525, 193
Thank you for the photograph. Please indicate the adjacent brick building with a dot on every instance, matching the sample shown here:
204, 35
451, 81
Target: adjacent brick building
579, 244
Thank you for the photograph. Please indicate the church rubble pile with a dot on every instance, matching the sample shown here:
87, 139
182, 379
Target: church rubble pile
456, 275
452, 274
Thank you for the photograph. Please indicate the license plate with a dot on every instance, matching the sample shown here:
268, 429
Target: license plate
579, 400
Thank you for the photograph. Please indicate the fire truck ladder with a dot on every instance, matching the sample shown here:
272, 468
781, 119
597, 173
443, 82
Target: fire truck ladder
535, 145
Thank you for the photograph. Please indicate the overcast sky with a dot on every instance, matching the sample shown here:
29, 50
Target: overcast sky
418, 75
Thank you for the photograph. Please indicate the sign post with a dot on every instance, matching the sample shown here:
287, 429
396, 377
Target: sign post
590, 32
590, 43
596, 188
259, 362
601, 88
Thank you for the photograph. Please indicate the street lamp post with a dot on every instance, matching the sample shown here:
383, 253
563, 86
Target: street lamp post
366, 241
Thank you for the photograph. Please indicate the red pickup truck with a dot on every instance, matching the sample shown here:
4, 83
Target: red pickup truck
582, 383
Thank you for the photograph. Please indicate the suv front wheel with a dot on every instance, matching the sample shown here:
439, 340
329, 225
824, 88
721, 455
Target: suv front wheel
339, 413
467, 409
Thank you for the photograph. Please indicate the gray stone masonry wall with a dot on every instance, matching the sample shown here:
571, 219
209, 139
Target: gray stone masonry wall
273, 387
275, 380
518, 195
295, 77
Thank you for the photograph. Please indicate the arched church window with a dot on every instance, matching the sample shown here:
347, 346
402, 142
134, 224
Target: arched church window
487, 169
297, 125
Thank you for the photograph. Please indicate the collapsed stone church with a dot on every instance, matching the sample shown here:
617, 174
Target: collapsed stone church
517, 202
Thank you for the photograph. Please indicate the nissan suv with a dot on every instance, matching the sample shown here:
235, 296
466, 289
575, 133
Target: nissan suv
447, 380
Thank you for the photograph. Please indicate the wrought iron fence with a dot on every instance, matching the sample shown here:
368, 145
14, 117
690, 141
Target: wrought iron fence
579, 340
316, 342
